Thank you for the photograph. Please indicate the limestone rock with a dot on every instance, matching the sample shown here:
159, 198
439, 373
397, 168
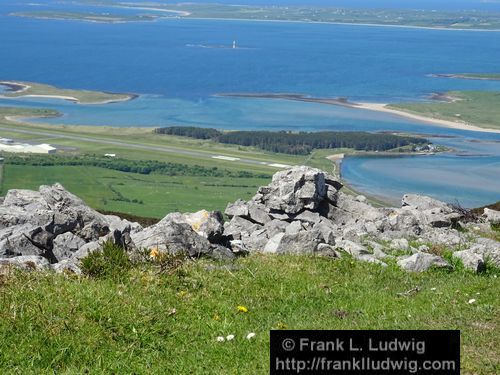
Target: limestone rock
16, 241
27, 262
293, 190
488, 249
420, 262
304, 242
86, 249
238, 208
430, 211
276, 226
352, 248
239, 228
258, 213
206, 224
471, 260
67, 266
491, 216
400, 244
173, 237
65, 245
257, 240
422, 203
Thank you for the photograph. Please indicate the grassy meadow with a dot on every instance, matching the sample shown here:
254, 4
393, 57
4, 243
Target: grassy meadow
132, 193
143, 195
150, 322
81, 96
480, 108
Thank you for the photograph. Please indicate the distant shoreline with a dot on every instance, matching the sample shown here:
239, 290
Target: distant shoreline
185, 15
15, 87
471, 77
339, 23
376, 107
382, 107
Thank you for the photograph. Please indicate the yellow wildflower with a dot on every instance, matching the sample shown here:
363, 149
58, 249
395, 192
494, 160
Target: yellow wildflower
155, 253
282, 326
242, 309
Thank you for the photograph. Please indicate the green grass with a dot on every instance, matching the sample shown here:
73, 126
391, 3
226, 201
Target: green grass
109, 190
100, 188
64, 324
82, 96
480, 108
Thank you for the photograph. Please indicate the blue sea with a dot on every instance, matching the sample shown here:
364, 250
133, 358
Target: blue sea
178, 67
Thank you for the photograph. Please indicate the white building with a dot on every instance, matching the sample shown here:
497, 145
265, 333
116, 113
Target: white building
26, 148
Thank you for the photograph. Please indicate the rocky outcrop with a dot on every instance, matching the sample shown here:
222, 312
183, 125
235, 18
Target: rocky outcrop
422, 262
174, 235
301, 211
53, 224
471, 260
492, 216
290, 215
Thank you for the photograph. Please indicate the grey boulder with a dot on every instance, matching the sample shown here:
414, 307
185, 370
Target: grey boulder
471, 260
174, 237
27, 262
206, 224
421, 262
293, 190
491, 216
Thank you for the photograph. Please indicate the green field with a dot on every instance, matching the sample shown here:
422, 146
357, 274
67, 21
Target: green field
480, 108
154, 195
158, 195
145, 322
80, 96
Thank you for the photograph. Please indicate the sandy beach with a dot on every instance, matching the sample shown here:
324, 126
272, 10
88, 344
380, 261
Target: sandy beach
21, 87
182, 13
68, 98
382, 107
376, 107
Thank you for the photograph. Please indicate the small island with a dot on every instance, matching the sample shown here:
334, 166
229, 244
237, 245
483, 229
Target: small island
471, 76
29, 89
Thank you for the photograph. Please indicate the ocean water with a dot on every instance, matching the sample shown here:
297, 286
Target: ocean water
178, 67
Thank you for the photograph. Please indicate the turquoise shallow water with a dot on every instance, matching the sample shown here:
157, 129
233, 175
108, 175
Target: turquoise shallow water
167, 62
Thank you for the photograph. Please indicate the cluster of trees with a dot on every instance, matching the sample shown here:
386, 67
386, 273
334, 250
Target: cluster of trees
190, 131
126, 165
299, 143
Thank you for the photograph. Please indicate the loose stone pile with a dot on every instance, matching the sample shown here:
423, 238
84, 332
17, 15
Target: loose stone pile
302, 211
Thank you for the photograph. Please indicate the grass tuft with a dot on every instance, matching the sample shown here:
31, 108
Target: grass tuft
110, 261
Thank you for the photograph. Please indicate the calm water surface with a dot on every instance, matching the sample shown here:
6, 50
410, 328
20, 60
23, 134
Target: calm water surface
179, 65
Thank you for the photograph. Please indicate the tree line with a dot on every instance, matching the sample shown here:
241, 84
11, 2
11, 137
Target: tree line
126, 165
301, 143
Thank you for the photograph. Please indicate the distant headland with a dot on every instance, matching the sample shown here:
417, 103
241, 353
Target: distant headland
16, 89
447, 20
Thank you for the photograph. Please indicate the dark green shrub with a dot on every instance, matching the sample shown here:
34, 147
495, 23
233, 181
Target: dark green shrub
111, 261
